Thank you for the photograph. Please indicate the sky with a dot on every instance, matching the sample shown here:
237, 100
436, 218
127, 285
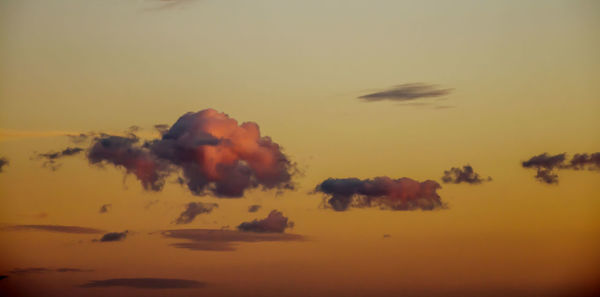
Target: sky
304, 148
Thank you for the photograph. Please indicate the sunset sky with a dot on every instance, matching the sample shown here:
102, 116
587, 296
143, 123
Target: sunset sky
342, 93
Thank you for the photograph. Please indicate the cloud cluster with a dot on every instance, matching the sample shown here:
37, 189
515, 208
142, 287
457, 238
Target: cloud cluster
54, 228
193, 209
3, 163
215, 154
113, 236
407, 92
145, 283
387, 193
51, 158
222, 240
466, 174
548, 165
275, 222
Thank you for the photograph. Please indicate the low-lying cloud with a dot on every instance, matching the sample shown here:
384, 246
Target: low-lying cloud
46, 270
407, 92
193, 209
54, 228
105, 208
222, 240
253, 208
548, 165
275, 222
384, 192
146, 283
466, 174
113, 236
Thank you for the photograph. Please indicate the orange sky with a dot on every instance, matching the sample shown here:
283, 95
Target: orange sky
523, 80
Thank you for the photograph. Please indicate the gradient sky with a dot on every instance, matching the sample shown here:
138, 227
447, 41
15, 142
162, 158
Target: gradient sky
525, 79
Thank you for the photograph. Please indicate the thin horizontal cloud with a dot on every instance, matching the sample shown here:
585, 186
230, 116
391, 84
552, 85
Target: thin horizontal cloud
253, 208
466, 174
275, 222
222, 240
145, 283
46, 270
54, 228
113, 236
407, 92
547, 165
194, 209
51, 158
383, 192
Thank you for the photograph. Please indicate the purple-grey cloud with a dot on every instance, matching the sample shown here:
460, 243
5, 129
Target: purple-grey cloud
193, 209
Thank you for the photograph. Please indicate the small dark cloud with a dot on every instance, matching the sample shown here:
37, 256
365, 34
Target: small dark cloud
113, 236
145, 283
387, 236
466, 174
222, 240
407, 92
275, 222
51, 158
3, 277
193, 209
384, 192
54, 228
81, 137
548, 165
253, 208
3, 163
45, 270
105, 208
162, 128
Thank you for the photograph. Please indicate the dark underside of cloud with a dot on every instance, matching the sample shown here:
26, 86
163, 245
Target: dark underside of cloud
407, 92
46, 270
466, 174
146, 283
113, 236
275, 222
383, 192
51, 159
193, 209
54, 228
3, 163
547, 165
213, 153
222, 240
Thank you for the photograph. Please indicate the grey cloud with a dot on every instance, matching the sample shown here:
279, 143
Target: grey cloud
275, 222
105, 208
54, 228
51, 158
407, 92
253, 208
3, 163
548, 165
193, 209
466, 174
146, 283
113, 236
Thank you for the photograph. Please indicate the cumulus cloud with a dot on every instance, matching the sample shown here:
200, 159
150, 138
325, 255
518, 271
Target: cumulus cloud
146, 283
193, 209
407, 92
275, 222
105, 208
548, 165
216, 155
113, 236
466, 174
387, 193
51, 158
54, 228
45, 270
3, 163
222, 240
253, 208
